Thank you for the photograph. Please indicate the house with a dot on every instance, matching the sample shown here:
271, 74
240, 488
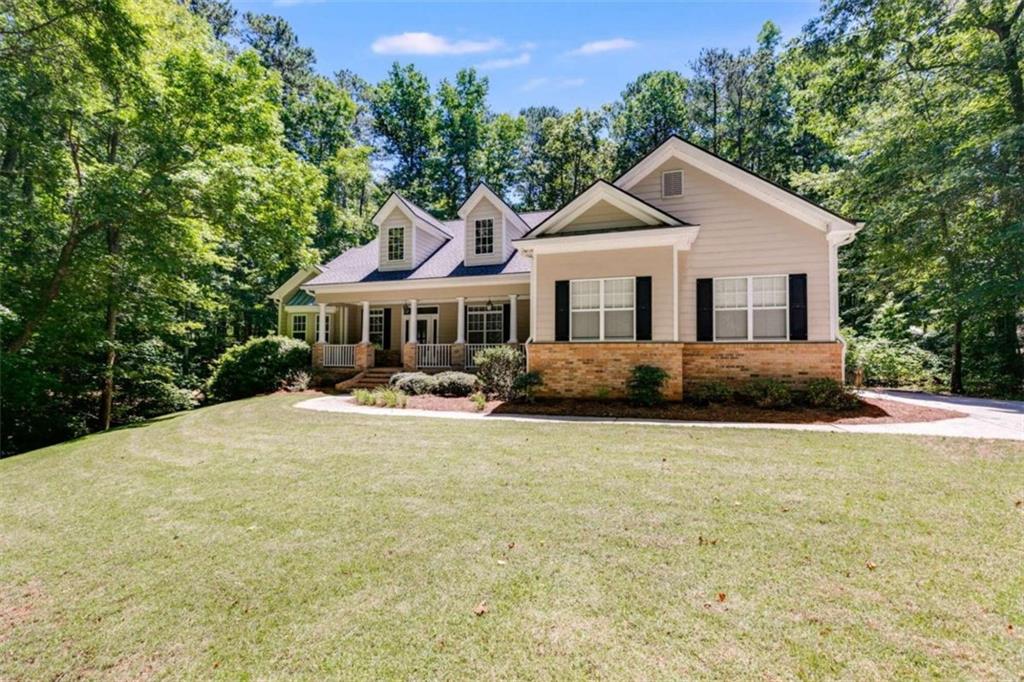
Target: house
685, 261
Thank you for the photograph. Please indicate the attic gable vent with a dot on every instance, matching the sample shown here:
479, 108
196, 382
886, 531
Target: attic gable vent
672, 184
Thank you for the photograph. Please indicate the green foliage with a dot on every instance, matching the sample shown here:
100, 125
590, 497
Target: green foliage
830, 394
456, 384
479, 401
651, 108
413, 383
497, 368
766, 393
526, 384
382, 396
883, 362
709, 393
260, 365
645, 384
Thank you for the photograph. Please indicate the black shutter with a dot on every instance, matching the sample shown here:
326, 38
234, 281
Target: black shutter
506, 321
798, 307
705, 309
385, 343
562, 310
643, 308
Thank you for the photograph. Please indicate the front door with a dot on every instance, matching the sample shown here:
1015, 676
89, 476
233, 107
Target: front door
426, 328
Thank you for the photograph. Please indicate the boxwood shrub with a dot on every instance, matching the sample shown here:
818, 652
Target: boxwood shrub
259, 365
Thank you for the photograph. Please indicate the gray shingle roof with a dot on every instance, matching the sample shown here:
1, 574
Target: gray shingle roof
359, 264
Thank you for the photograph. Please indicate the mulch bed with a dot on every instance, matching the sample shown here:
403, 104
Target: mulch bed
870, 411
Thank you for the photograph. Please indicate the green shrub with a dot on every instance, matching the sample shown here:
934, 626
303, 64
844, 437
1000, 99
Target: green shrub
363, 396
413, 383
767, 393
479, 400
884, 362
259, 365
385, 396
645, 383
456, 384
709, 393
524, 385
830, 394
602, 392
497, 368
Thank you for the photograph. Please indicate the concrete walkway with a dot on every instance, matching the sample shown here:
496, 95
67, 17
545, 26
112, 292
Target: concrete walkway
1003, 419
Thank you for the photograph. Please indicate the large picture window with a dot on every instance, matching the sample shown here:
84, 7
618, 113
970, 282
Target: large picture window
602, 309
377, 327
299, 327
396, 243
751, 308
483, 325
484, 236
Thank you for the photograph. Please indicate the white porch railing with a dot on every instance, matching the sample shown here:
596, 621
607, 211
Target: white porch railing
473, 348
433, 355
339, 355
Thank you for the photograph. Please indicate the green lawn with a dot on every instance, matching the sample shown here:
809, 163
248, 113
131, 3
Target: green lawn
256, 538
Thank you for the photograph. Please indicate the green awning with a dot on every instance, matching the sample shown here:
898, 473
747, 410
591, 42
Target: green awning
301, 298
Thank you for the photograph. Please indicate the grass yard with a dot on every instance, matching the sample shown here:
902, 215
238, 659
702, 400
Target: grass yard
255, 538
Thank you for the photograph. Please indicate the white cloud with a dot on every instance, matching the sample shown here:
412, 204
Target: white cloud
528, 46
507, 63
430, 44
599, 46
552, 83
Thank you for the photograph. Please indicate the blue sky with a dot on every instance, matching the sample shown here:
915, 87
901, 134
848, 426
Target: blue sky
565, 54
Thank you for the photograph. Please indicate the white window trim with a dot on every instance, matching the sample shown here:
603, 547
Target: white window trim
305, 325
481, 309
601, 310
750, 311
316, 326
387, 245
494, 230
376, 312
682, 183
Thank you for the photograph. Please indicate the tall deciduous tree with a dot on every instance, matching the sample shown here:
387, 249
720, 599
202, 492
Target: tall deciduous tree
652, 107
404, 121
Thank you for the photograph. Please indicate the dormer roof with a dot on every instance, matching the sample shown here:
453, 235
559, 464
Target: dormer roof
416, 215
483, 191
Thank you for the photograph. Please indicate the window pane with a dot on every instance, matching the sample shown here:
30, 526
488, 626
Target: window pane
618, 324
484, 236
770, 324
585, 294
493, 336
731, 324
618, 293
731, 293
586, 325
769, 291
396, 243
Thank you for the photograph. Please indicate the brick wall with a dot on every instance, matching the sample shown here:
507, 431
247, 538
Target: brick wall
793, 362
581, 370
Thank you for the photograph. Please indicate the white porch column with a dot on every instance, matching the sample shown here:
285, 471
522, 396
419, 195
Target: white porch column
513, 336
322, 336
411, 337
366, 322
460, 334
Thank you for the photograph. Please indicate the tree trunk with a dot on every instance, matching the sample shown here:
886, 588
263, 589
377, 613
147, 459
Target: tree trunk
113, 283
956, 374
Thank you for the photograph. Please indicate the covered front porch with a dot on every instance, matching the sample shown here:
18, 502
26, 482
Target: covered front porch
432, 333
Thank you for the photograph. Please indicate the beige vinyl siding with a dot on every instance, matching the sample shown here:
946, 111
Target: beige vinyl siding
601, 215
655, 262
485, 209
426, 244
395, 218
740, 235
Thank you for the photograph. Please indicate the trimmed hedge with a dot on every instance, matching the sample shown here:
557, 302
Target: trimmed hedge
767, 393
645, 383
456, 384
260, 365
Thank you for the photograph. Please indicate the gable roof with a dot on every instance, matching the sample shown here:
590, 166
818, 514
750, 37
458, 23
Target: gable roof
602, 190
416, 215
360, 264
300, 276
484, 191
745, 180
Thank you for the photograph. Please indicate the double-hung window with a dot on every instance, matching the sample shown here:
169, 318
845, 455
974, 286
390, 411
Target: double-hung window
299, 326
602, 309
396, 242
377, 327
752, 308
483, 325
327, 326
483, 236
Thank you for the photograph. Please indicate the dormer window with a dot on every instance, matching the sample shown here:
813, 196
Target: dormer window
484, 236
396, 243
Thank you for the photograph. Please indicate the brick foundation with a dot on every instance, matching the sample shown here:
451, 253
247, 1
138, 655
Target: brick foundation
458, 356
588, 370
364, 355
318, 355
409, 359
794, 362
